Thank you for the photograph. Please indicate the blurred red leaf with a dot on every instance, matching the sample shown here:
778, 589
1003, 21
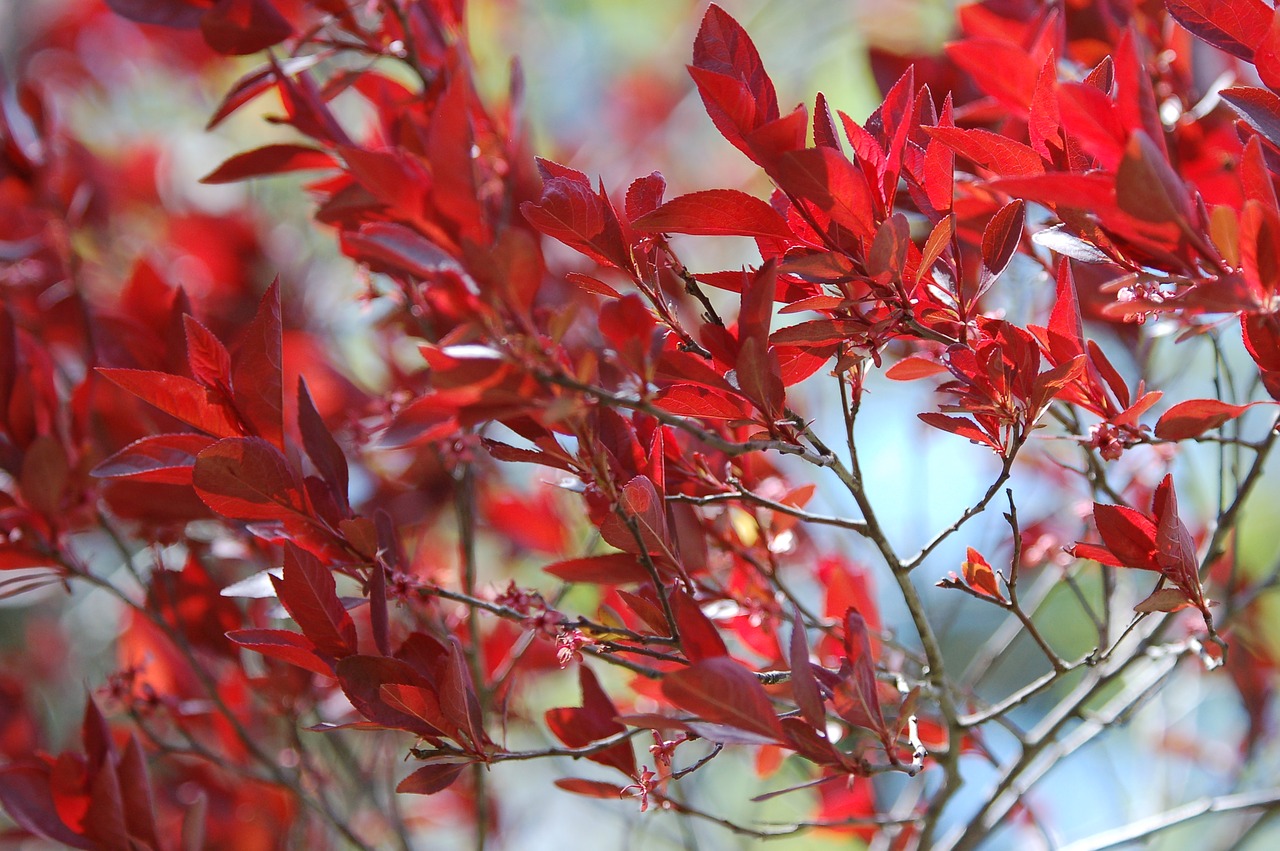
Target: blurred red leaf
269, 160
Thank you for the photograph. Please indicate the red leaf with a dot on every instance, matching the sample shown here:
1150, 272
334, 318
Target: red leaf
827, 179
166, 458
395, 249
959, 426
575, 214
362, 679
431, 779
1002, 69
1175, 549
692, 400
608, 569
912, 368
1194, 417
1164, 600
270, 160
210, 364
135, 791
590, 788
979, 576
716, 212
308, 592
644, 195
640, 502
699, 638
256, 370
1236, 26
999, 154
596, 719
738, 95
284, 645
247, 479
888, 255
178, 397
723, 47
421, 703
1072, 191
820, 332
1130, 535
856, 697
241, 27
760, 376
722, 691
1267, 57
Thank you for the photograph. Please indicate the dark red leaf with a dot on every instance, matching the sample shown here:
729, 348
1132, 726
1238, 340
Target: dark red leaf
722, 691
135, 791
1259, 107
804, 688
308, 592
256, 370
1146, 186
856, 698
608, 569
596, 719
820, 332
421, 703
395, 249
240, 27
26, 797
166, 458
270, 160
432, 778
362, 679
322, 449
1001, 238
699, 638
284, 645
247, 479
179, 14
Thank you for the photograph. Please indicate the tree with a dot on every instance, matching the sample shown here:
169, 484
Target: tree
607, 505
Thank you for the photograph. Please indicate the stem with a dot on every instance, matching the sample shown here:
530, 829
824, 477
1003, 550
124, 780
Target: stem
465, 505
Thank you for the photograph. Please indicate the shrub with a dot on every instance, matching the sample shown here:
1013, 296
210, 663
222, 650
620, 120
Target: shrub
567, 496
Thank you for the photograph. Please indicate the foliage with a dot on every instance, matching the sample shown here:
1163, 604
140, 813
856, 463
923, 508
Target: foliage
303, 555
